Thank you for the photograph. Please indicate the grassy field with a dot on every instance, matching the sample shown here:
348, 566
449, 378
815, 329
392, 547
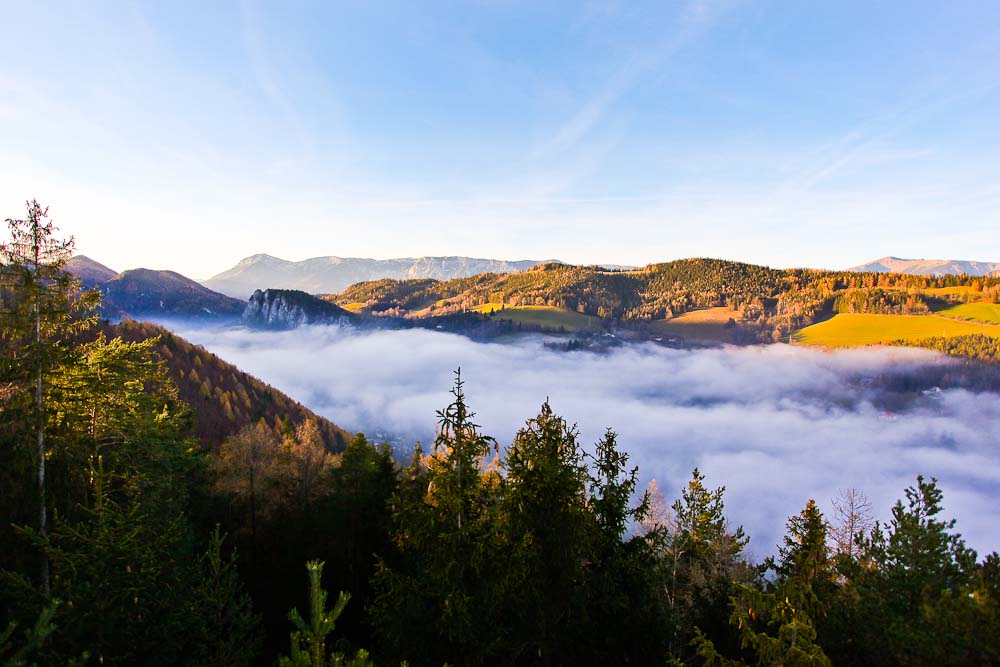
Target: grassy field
959, 290
982, 311
708, 324
852, 329
354, 307
487, 308
545, 316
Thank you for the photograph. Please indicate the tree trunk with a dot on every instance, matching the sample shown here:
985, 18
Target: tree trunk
40, 428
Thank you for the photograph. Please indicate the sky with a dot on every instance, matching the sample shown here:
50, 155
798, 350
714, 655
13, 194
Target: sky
776, 425
188, 135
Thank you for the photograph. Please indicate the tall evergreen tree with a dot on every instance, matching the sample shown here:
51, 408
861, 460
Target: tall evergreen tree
546, 506
445, 581
918, 583
703, 563
42, 306
628, 617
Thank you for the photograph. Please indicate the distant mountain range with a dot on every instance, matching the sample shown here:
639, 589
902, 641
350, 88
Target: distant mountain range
330, 275
145, 292
929, 267
139, 292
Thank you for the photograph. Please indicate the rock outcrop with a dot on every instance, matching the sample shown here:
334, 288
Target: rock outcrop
288, 309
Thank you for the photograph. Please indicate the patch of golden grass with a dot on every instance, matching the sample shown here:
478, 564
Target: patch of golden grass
854, 329
707, 324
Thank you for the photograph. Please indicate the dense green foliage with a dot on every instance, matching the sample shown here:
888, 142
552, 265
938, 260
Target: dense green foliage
166, 546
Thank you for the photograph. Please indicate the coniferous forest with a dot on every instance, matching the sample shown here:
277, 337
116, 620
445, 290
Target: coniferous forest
158, 508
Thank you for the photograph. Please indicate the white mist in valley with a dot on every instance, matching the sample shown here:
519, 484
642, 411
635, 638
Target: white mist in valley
776, 424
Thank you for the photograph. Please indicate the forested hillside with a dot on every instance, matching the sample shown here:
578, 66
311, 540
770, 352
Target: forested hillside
764, 304
223, 398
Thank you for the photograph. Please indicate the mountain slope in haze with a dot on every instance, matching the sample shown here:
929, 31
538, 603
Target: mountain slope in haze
929, 267
139, 292
328, 275
147, 292
91, 272
223, 398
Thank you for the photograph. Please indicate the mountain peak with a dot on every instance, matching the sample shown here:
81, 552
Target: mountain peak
261, 258
89, 271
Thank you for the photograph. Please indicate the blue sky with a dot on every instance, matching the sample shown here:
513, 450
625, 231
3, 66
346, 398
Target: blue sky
187, 136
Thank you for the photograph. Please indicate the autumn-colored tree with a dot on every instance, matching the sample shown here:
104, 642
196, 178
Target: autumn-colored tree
308, 459
244, 470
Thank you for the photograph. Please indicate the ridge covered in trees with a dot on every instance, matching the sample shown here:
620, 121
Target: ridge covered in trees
223, 398
767, 304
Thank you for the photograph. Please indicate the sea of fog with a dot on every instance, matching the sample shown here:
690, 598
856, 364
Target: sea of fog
776, 425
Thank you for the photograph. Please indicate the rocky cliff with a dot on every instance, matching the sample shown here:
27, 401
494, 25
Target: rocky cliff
288, 309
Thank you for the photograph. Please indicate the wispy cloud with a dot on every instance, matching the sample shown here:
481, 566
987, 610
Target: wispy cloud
695, 17
269, 78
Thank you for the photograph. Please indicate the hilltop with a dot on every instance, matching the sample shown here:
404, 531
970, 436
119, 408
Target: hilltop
91, 272
145, 292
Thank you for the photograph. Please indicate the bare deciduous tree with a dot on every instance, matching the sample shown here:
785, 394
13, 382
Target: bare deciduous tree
852, 512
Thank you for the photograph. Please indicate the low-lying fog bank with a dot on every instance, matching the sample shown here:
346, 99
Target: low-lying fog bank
776, 425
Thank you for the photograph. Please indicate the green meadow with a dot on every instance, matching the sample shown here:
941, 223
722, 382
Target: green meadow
982, 311
852, 329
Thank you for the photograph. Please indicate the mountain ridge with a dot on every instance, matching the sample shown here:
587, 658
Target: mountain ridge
330, 274
139, 292
928, 267
90, 271
223, 397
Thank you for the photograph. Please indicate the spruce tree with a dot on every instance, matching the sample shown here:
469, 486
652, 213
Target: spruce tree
41, 307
